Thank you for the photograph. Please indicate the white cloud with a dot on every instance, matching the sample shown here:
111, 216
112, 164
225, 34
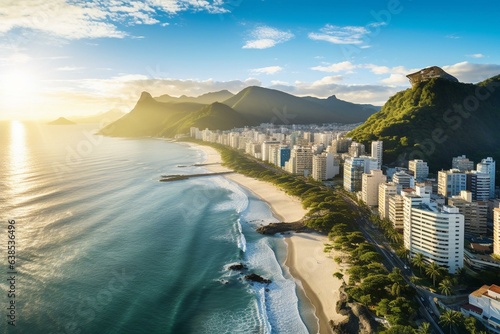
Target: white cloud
264, 37
340, 35
337, 67
269, 70
476, 55
93, 18
69, 68
469, 72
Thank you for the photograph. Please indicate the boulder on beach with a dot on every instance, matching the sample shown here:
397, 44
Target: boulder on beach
257, 278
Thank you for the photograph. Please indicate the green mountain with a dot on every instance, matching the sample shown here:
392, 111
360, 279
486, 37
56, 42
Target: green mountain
167, 116
207, 98
216, 116
436, 120
149, 118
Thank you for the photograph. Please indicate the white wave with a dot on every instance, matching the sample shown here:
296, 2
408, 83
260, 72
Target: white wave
281, 301
238, 199
242, 242
243, 322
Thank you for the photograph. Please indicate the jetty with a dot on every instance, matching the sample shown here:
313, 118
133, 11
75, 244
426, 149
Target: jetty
171, 178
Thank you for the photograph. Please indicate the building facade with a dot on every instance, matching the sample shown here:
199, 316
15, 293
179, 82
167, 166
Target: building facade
370, 185
419, 168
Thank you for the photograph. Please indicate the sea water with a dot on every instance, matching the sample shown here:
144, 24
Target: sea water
101, 246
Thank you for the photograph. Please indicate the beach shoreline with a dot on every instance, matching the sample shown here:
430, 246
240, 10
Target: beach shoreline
310, 266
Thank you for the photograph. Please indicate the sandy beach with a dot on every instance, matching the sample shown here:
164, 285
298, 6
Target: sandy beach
306, 259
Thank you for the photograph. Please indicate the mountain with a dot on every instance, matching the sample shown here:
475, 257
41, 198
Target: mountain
207, 98
167, 116
149, 117
436, 120
104, 117
263, 105
61, 121
346, 109
216, 116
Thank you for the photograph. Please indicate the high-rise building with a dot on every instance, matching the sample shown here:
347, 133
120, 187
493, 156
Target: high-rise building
405, 180
377, 151
266, 148
356, 149
475, 213
488, 166
396, 212
436, 233
300, 162
353, 171
479, 185
323, 166
370, 184
451, 182
385, 191
496, 231
419, 168
462, 163
284, 156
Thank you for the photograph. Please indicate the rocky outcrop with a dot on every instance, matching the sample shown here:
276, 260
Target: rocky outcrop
428, 73
237, 266
257, 278
274, 228
358, 320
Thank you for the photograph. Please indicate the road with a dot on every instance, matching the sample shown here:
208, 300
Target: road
391, 261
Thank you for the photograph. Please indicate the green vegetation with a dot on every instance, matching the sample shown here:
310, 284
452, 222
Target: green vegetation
437, 120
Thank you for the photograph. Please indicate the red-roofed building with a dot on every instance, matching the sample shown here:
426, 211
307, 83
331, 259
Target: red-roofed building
484, 305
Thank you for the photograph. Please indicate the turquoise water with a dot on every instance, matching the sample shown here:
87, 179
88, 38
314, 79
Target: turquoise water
103, 247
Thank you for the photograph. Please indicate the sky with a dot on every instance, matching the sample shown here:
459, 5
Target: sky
69, 58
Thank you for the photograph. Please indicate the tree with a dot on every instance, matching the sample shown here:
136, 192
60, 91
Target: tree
425, 328
418, 261
445, 286
450, 318
434, 271
339, 276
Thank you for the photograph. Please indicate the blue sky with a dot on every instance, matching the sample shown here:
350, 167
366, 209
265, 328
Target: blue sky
62, 57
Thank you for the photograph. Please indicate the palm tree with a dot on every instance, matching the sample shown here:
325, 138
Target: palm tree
418, 261
434, 271
425, 328
450, 318
396, 289
445, 286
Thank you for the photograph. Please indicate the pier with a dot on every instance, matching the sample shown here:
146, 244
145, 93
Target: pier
171, 178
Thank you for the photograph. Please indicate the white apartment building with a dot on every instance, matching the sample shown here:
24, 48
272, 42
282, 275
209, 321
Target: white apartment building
484, 305
496, 231
396, 212
451, 182
300, 162
266, 148
354, 167
488, 166
475, 213
370, 185
385, 191
323, 166
419, 168
377, 151
436, 233
405, 180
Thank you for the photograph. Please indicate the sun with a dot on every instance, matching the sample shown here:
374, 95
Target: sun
19, 89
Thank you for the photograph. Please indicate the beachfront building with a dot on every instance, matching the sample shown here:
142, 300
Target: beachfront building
451, 182
396, 212
323, 166
496, 231
462, 163
376, 152
419, 168
300, 162
385, 191
436, 233
475, 213
266, 148
283, 156
484, 305
354, 167
370, 184
487, 166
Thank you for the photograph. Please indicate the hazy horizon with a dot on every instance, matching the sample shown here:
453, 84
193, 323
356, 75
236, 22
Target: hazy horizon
62, 58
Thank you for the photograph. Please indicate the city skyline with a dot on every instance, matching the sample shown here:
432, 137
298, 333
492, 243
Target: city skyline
62, 58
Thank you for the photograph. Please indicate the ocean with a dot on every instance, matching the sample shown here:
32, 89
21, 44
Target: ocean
101, 246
